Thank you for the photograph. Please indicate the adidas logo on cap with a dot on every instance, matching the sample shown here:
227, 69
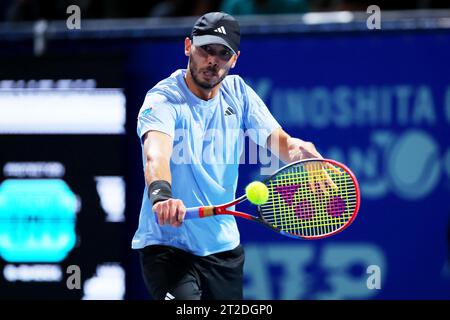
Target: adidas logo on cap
220, 30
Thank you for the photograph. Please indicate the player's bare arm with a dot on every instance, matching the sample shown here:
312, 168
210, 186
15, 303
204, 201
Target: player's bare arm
290, 149
158, 150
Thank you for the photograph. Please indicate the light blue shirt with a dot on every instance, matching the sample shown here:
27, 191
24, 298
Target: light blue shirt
208, 143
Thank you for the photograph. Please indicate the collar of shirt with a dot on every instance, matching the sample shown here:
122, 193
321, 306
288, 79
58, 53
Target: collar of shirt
196, 101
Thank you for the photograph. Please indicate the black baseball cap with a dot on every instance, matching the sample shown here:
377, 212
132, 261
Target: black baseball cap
217, 28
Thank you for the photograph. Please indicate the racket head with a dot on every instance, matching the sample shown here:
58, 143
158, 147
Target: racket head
297, 205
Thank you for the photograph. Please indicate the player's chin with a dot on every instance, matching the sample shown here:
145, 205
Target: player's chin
210, 80
208, 84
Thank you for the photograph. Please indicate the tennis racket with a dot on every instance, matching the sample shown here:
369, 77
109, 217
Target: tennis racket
308, 199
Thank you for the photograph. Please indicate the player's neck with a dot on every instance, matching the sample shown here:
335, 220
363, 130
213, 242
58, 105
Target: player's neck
204, 94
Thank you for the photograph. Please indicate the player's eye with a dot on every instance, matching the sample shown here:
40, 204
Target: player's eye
225, 55
208, 49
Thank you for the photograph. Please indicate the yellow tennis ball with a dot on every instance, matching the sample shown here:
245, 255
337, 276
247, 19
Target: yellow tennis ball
257, 193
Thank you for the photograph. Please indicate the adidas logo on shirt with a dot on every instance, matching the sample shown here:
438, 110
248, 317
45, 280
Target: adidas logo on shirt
220, 30
229, 111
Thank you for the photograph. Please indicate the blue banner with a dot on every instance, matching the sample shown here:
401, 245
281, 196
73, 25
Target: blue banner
378, 102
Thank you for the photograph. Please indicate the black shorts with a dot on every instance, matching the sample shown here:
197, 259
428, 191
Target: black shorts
170, 273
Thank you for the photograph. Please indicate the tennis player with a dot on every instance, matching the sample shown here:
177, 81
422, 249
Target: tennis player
200, 258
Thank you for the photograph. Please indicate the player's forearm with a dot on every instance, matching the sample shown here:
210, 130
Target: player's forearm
158, 150
157, 167
169, 211
278, 144
290, 149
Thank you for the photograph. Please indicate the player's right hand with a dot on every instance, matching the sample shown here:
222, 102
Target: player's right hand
170, 212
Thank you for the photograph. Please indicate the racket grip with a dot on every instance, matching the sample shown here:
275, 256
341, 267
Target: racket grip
192, 213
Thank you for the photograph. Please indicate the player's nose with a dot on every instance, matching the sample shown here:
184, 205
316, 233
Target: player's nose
213, 60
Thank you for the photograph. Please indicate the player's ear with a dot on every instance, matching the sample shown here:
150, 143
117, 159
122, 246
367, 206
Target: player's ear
187, 46
235, 57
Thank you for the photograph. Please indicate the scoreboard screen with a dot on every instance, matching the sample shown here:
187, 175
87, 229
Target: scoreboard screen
62, 182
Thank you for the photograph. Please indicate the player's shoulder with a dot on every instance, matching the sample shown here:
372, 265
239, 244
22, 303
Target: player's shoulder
167, 90
165, 96
235, 84
233, 80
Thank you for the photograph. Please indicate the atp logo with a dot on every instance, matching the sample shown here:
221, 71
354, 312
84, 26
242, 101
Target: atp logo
306, 271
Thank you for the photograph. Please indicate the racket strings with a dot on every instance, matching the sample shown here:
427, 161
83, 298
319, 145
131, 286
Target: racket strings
295, 207
320, 225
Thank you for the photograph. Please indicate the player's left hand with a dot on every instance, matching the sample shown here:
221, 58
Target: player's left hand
318, 175
299, 150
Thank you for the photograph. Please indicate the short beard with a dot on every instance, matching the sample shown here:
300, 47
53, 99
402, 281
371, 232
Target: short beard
203, 85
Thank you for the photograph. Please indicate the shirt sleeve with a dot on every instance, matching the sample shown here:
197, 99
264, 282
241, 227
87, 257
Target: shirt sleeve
157, 114
258, 120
